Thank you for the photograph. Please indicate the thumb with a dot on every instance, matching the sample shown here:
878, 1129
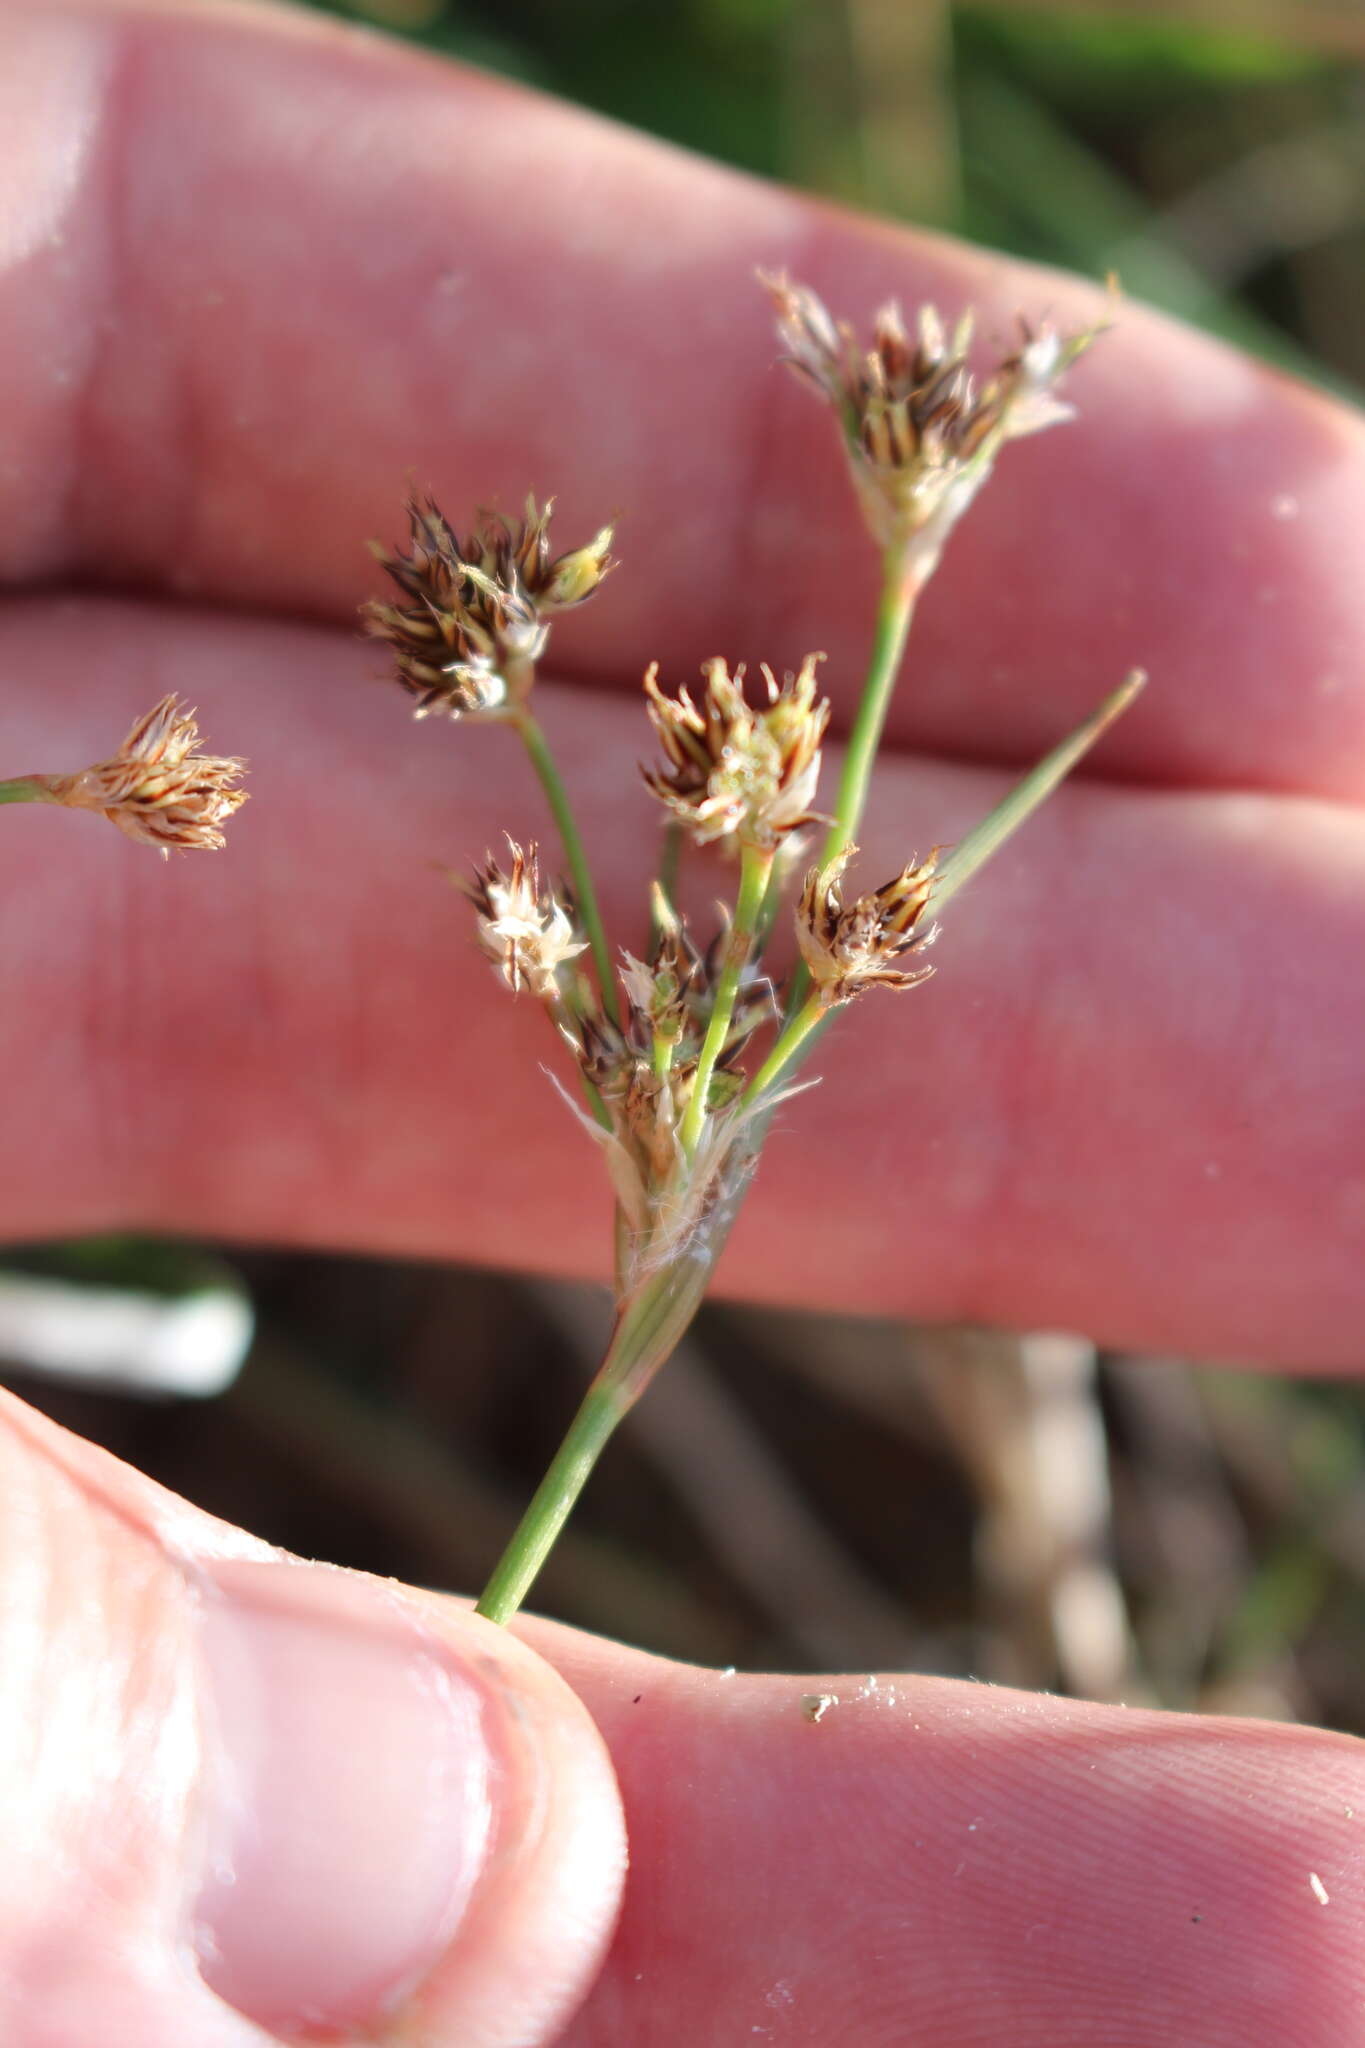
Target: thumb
249, 1799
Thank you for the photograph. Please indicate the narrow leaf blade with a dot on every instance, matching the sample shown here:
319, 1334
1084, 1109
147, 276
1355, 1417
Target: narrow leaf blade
1023, 800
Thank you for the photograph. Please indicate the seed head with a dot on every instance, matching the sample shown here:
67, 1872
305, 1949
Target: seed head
736, 769
920, 434
157, 789
850, 947
473, 616
526, 932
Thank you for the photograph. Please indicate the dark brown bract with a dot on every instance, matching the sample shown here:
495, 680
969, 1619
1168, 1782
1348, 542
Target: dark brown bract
858, 945
473, 616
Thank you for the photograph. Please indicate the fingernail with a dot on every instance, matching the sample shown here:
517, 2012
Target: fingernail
347, 1796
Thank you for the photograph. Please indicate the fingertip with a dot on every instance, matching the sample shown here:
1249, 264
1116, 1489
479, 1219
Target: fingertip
258, 1799
411, 1822
553, 1879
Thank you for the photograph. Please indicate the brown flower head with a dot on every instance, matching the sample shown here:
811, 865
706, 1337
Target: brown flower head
156, 788
849, 947
733, 768
473, 617
526, 932
920, 434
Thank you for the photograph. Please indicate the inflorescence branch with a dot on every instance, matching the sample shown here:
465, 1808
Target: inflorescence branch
661, 1043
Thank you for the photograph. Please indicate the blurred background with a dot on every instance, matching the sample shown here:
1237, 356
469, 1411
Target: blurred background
801, 1492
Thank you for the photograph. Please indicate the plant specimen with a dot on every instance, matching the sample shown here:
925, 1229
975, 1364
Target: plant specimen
681, 1056
157, 788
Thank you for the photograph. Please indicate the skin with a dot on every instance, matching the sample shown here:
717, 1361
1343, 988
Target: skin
254, 269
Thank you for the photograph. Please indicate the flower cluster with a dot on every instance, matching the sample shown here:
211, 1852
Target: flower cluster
526, 931
644, 1069
921, 435
157, 789
473, 616
848, 947
734, 770
660, 1041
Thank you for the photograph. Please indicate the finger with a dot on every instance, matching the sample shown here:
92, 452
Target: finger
249, 1799
925, 1861
367, 264
962, 1864
1129, 1102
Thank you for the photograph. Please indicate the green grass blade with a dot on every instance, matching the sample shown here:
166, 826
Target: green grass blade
1023, 800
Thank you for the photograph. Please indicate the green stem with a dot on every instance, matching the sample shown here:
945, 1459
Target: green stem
22, 791
970, 854
755, 866
770, 908
807, 1019
551, 781
551, 1504
647, 1330
895, 611
1027, 794
651, 1324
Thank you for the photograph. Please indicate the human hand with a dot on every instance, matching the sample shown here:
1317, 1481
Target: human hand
256, 269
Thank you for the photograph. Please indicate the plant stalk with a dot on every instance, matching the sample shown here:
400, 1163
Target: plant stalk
796, 1038
647, 1329
755, 866
21, 791
808, 1018
1027, 794
551, 1504
552, 782
650, 1324
895, 612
